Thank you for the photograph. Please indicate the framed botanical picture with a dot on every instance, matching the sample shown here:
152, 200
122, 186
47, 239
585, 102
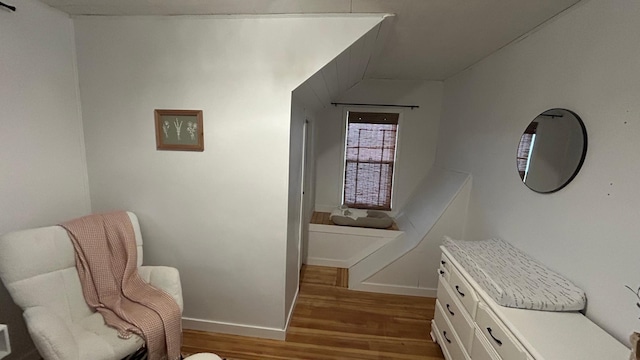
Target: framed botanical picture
179, 130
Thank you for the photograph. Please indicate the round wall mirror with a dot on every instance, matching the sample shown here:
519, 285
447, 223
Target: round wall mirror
552, 150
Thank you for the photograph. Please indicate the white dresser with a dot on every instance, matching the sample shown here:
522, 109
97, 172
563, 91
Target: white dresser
468, 324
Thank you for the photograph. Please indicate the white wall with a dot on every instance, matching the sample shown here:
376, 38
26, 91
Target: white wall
344, 246
219, 216
417, 137
585, 60
44, 173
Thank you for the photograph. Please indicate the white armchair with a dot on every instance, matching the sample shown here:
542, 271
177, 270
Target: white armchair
37, 267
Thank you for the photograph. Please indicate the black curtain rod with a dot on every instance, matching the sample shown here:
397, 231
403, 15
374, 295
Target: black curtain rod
378, 105
10, 7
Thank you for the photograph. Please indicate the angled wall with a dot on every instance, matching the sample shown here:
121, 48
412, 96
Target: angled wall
415, 272
219, 216
407, 264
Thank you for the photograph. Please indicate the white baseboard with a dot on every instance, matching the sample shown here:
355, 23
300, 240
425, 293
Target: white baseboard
395, 289
234, 329
327, 262
293, 305
240, 329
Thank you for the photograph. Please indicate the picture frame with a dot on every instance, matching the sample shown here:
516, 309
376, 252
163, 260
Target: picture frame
179, 130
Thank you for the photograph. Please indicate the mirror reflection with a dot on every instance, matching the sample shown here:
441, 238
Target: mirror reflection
552, 150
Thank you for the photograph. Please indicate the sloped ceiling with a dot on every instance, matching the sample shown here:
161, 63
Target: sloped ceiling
428, 39
343, 72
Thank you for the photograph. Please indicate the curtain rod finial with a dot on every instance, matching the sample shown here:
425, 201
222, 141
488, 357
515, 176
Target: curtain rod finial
10, 7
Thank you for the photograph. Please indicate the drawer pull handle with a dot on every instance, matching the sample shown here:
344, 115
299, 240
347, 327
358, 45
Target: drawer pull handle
493, 337
450, 312
441, 272
444, 333
458, 290
443, 262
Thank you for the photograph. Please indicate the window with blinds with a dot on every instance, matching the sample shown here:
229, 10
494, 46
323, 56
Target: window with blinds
524, 149
370, 154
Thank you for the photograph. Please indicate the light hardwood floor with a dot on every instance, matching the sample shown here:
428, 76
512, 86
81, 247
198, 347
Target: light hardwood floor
332, 322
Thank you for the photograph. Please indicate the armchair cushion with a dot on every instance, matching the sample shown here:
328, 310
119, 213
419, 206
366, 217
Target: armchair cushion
98, 341
50, 334
164, 278
56, 339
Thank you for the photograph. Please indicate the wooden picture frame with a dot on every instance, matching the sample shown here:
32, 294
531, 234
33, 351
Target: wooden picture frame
179, 130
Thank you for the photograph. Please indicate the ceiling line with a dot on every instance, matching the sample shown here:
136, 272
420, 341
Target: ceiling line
519, 38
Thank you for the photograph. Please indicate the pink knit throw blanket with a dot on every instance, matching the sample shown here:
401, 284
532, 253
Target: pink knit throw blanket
106, 259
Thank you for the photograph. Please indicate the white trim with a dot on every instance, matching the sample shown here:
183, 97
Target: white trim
354, 230
327, 262
343, 154
302, 221
395, 289
293, 306
382, 16
234, 329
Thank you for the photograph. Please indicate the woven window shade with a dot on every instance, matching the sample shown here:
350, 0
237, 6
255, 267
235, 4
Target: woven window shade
525, 147
369, 160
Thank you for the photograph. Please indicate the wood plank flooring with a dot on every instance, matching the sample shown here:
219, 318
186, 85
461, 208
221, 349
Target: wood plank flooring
331, 322
322, 218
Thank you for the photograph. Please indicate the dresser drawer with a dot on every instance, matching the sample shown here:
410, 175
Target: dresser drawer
456, 313
463, 292
497, 335
481, 350
447, 337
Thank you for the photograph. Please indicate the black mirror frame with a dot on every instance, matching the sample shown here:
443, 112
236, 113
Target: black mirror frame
582, 157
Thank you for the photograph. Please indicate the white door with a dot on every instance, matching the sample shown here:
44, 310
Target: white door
303, 226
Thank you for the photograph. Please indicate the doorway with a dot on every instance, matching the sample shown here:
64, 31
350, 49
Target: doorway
302, 231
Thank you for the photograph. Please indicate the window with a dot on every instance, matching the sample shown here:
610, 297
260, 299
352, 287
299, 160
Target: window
370, 154
525, 147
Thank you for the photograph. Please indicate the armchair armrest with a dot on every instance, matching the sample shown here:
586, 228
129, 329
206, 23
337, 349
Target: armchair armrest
50, 334
164, 278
